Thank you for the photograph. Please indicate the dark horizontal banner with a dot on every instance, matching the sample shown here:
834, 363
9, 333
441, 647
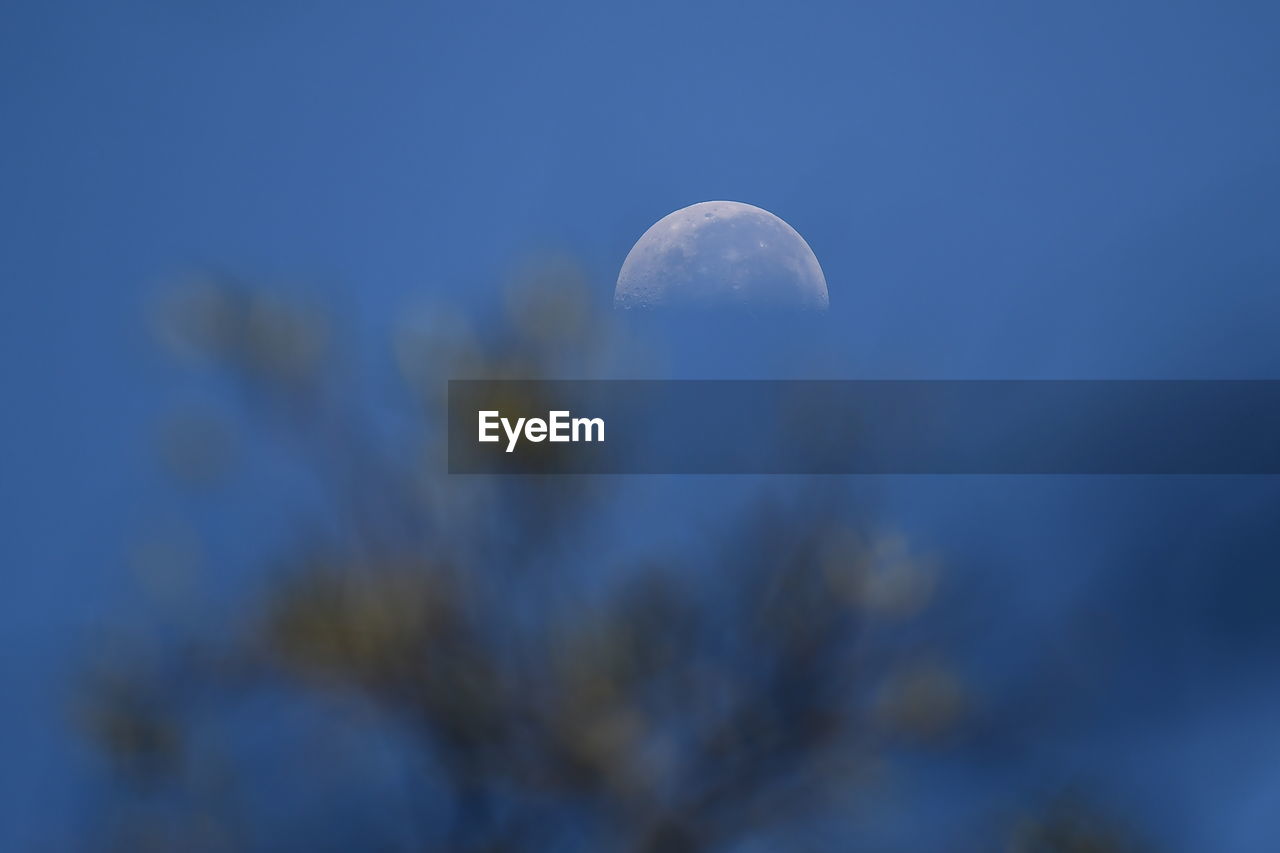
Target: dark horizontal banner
864, 427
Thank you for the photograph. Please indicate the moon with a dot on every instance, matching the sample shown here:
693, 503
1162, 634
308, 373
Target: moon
721, 254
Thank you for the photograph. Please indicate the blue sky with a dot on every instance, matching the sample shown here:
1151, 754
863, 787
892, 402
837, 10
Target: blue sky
993, 189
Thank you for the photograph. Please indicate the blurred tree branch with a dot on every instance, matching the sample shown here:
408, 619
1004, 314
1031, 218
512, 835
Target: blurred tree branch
663, 715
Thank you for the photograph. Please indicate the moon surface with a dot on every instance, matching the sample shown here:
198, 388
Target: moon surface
721, 254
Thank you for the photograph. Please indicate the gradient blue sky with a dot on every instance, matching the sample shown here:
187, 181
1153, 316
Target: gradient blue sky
1082, 189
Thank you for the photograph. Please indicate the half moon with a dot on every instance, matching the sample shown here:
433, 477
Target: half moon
721, 254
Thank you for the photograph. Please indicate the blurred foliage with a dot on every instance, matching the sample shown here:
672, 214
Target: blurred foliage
677, 710
1070, 826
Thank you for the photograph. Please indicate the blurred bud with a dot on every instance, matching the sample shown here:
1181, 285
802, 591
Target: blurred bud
120, 714
284, 342
261, 334
368, 627
593, 667
881, 577
923, 701
197, 319
1069, 827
